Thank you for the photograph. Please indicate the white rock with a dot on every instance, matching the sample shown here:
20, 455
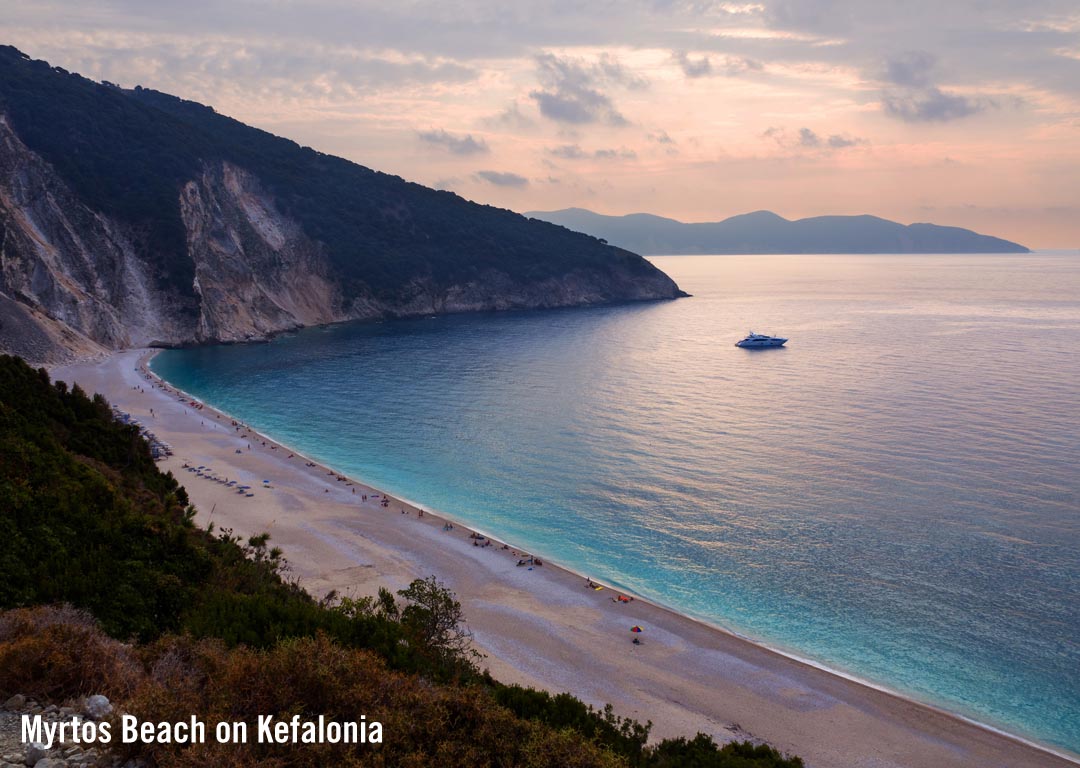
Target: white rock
97, 707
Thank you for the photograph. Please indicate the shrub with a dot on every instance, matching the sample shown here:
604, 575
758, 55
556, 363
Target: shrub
59, 653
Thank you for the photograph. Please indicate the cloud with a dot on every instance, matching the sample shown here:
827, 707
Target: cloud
692, 68
614, 71
731, 66
809, 139
574, 152
911, 69
207, 66
501, 179
737, 65
610, 154
571, 89
567, 152
511, 117
912, 94
931, 105
836, 141
447, 184
456, 145
660, 137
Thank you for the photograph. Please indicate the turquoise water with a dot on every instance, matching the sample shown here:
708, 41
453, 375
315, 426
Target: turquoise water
895, 494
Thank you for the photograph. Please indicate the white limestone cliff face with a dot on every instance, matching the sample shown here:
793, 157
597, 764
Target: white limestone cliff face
75, 282
67, 263
255, 272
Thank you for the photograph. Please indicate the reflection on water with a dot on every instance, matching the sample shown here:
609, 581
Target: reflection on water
895, 493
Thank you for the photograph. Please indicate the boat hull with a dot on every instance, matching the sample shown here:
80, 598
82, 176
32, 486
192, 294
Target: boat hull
761, 344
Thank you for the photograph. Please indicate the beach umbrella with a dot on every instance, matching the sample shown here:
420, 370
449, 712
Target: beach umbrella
636, 629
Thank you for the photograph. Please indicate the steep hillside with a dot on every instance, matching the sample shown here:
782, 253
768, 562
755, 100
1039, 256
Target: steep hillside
132, 217
765, 232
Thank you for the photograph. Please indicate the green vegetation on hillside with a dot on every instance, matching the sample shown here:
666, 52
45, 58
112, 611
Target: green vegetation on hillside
86, 519
128, 153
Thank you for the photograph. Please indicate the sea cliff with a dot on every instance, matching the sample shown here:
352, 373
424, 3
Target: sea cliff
132, 218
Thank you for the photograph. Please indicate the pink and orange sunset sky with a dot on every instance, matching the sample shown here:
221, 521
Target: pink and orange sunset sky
961, 113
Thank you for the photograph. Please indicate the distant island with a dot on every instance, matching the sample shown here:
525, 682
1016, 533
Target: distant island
130, 217
766, 232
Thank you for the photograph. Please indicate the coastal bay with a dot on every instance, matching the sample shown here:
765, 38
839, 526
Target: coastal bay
542, 627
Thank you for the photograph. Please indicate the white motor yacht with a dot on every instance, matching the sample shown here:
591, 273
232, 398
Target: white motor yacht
760, 341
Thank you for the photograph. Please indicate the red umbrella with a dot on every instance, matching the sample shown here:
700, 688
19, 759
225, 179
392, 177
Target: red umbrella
636, 629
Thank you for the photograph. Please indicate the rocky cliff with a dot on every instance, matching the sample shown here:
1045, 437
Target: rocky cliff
131, 218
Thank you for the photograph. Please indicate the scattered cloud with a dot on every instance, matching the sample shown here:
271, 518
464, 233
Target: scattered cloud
808, 139
737, 65
931, 105
731, 66
912, 95
567, 152
503, 179
512, 117
610, 154
614, 71
456, 145
351, 78
575, 152
836, 141
571, 92
693, 68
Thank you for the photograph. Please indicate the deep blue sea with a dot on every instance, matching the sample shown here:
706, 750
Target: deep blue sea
895, 494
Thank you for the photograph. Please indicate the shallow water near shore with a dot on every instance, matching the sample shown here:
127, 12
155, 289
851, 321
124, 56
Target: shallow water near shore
895, 494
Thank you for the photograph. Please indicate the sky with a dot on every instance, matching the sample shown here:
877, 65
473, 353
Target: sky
964, 112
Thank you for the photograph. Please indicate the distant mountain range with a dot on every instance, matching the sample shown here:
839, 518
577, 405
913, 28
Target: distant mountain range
765, 232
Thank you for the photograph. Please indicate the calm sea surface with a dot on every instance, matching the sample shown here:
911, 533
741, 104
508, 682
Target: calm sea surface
895, 494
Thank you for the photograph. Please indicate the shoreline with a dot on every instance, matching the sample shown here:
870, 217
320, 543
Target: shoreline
770, 676
436, 514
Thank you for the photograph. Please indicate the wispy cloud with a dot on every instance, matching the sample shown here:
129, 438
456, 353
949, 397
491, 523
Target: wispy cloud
808, 139
575, 152
729, 66
567, 152
503, 178
456, 145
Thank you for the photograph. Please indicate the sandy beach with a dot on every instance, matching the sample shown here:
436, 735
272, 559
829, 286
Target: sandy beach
541, 625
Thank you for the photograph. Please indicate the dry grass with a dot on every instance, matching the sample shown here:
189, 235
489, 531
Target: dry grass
59, 653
